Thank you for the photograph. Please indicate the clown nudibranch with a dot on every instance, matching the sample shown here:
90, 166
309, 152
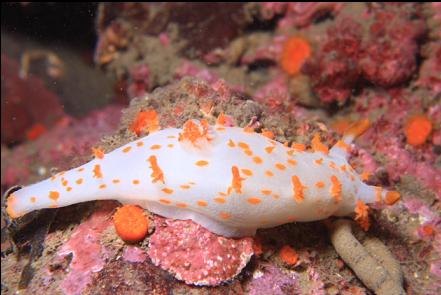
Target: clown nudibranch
227, 179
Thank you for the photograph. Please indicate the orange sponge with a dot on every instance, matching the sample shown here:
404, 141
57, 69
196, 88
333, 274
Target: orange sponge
417, 130
130, 223
289, 255
295, 52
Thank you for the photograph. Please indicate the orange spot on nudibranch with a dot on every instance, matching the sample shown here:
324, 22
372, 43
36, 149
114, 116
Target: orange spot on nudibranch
140, 143
97, 171
225, 215
292, 162
79, 181
102, 186
33, 199
145, 121
221, 119
365, 175
127, 149
236, 182
182, 205
269, 149
362, 215
170, 145
167, 190
266, 192
319, 161
295, 52
165, 201
298, 146
318, 146
257, 160
268, 134
192, 131
254, 201
155, 147
184, 186
320, 184
80, 170
269, 173
231, 143
220, 200
248, 129
280, 166
336, 189
243, 145
157, 174
247, 172
115, 181
202, 203
54, 195
378, 194
130, 223
135, 181
201, 163
417, 129
298, 189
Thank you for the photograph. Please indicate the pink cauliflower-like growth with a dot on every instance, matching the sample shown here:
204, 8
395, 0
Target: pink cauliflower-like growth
195, 255
389, 57
384, 54
334, 69
298, 14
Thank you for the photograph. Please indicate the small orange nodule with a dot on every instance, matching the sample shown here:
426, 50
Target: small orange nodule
417, 130
35, 131
392, 197
296, 51
98, 153
146, 120
130, 223
288, 255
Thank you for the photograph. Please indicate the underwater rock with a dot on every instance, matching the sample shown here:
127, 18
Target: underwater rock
195, 255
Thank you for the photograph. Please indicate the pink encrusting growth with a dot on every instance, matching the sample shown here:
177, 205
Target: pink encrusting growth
230, 180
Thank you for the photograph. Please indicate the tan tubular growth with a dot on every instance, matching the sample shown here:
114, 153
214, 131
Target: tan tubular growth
379, 271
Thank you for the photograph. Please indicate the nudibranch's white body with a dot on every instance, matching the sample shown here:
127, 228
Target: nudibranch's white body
228, 180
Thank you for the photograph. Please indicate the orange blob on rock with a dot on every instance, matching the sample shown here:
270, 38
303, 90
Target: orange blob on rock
145, 121
130, 223
417, 130
295, 52
289, 255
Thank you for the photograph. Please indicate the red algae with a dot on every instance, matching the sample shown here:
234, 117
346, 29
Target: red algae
195, 255
86, 250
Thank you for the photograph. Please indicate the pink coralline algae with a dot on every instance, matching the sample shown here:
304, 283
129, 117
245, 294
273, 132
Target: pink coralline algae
86, 250
139, 83
384, 63
381, 138
271, 280
351, 55
195, 255
334, 70
298, 14
134, 254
